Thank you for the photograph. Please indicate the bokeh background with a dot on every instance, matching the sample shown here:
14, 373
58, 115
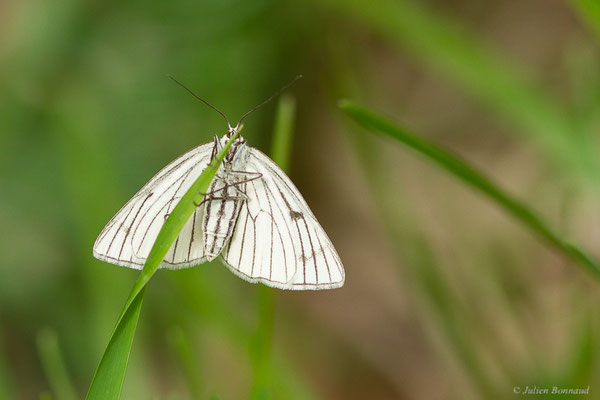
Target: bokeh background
446, 296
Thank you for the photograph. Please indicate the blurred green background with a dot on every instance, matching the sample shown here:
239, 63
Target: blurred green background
446, 296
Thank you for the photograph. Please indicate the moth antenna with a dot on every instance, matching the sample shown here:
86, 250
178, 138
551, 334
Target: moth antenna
277, 93
202, 100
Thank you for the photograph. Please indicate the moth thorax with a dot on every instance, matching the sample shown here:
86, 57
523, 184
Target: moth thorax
238, 155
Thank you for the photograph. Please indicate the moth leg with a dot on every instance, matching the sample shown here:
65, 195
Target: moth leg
214, 191
257, 175
224, 198
235, 184
167, 214
209, 196
213, 155
238, 183
199, 204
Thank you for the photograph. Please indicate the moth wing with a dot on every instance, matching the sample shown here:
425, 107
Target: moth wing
128, 237
277, 240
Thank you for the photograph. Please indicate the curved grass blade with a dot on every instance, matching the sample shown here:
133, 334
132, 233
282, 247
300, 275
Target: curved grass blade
109, 377
470, 175
450, 49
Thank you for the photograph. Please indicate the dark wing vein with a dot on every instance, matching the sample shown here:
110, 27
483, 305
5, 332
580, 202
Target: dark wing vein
126, 224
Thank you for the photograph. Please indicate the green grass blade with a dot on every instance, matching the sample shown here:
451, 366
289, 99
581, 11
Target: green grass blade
262, 387
208, 306
283, 131
182, 348
177, 219
589, 10
445, 308
260, 347
418, 261
109, 377
445, 46
54, 366
186, 358
471, 176
584, 352
45, 396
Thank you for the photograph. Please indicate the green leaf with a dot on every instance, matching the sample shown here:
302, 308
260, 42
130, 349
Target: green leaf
471, 176
109, 377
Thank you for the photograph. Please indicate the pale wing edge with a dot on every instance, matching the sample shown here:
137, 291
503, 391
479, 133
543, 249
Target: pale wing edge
263, 164
202, 152
140, 266
285, 182
279, 285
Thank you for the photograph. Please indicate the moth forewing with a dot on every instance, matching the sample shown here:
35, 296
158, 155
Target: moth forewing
127, 238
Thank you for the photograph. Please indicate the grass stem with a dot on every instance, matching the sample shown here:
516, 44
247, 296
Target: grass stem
474, 178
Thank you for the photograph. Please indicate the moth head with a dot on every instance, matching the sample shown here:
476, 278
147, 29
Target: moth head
231, 131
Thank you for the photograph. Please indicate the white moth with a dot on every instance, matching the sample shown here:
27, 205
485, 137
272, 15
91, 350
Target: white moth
252, 216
